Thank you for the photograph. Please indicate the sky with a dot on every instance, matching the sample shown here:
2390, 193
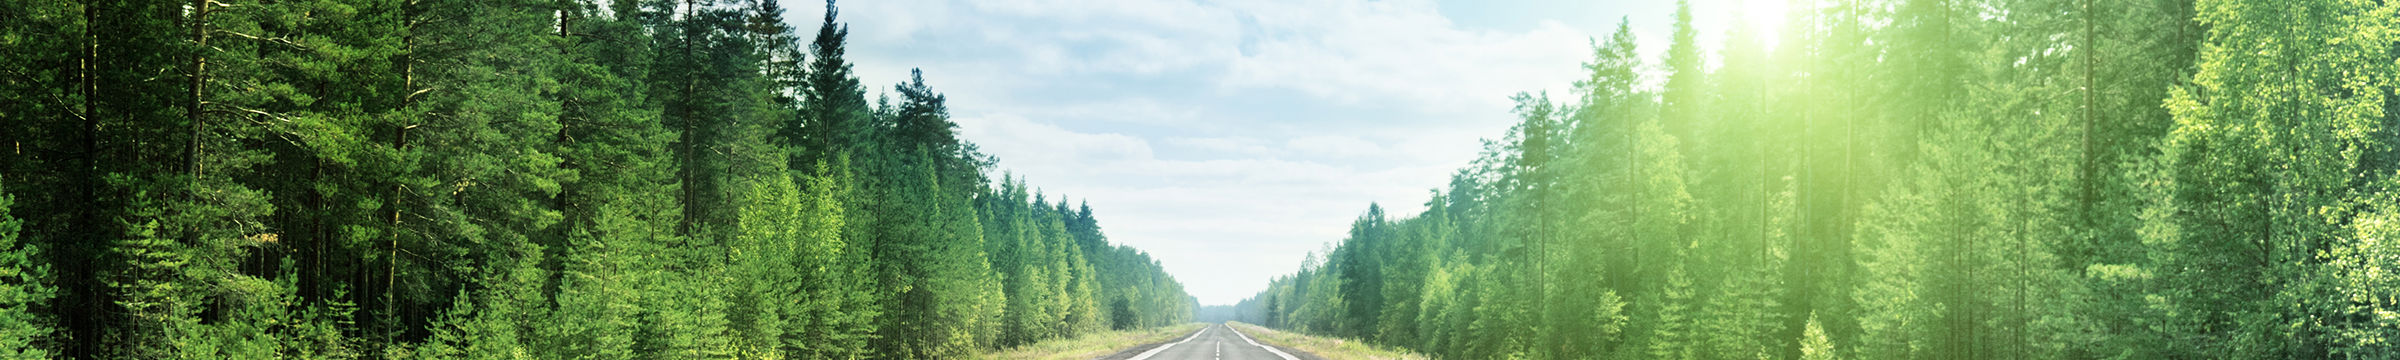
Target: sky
1230, 139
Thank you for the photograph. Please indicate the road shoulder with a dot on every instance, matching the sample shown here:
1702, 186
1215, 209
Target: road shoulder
1101, 344
1129, 352
1319, 348
1246, 331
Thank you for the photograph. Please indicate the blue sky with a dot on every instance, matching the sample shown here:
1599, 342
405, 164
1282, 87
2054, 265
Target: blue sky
1231, 138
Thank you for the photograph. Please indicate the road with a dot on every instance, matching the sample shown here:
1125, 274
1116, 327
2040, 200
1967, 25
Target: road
1215, 342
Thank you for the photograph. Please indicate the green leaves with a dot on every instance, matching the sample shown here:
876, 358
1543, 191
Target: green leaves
1814, 345
2270, 161
1918, 179
520, 179
25, 286
2363, 280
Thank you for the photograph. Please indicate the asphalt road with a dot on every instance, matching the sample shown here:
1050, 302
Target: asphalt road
1215, 342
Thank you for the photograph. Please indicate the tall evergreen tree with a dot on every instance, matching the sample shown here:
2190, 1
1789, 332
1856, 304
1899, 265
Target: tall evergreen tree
331, 179
841, 306
26, 290
837, 117
610, 211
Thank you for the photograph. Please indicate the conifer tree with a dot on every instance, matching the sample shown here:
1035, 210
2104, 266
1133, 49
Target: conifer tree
612, 210
1673, 337
25, 290
488, 322
331, 179
1362, 275
316, 329
836, 118
1814, 345
764, 265
841, 306
1685, 94
1894, 182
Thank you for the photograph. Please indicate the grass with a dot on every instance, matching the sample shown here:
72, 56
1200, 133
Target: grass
1325, 347
1092, 345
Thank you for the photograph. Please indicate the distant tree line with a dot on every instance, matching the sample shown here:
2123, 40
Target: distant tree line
1917, 179
522, 179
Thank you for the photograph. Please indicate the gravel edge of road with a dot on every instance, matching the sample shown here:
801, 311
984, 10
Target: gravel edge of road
1303, 355
1128, 353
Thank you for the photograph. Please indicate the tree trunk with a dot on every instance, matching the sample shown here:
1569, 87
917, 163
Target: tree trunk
408, 83
198, 82
689, 149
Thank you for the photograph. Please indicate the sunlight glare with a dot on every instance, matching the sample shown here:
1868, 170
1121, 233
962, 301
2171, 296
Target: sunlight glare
1764, 17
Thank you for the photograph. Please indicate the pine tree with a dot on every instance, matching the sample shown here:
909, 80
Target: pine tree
1410, 257
25, 291
1738, 186
320, 329
598, 295
1010, 240
1814, 345
1685, 95
487, 323
928, 246
1673, 337
1892, 308
837, 118
764, 269
612, 209
332, 179
1362, 273
690, 321
841, 307
471, 171
1083, 306
161, 315
450, 337
1435, 307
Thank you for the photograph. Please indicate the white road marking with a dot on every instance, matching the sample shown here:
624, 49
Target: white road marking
1154, 351
1246, 338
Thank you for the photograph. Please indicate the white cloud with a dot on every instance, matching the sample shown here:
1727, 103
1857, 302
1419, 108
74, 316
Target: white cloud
1128, 110
1334, 146
1049, 36
1038, 145
1226, 146
1359, 51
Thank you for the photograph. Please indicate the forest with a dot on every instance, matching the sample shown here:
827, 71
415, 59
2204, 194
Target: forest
1915, 179
512, 179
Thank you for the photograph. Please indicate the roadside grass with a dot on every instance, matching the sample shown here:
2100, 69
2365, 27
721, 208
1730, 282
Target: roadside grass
1325, 347
1094, 345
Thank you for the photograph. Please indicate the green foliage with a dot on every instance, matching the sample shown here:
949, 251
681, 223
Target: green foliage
2267, 161
836, 116
25, 289
1898, 179
2361, 278
1904, 179
1814, 345
837, 320
1672, 337
520, 179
